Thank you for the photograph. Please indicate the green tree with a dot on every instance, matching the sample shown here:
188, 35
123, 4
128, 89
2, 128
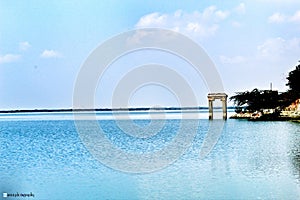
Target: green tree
294, 81
286, 98
256, 99
265, 99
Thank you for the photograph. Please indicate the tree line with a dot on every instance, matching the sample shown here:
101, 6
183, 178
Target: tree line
256, 99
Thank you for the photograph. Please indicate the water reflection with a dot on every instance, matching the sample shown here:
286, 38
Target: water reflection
251, 160
261, 150
295, 149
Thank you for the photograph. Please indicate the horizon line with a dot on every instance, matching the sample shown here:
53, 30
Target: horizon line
109, 109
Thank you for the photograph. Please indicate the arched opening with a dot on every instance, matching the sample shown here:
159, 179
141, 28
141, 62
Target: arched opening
213, 96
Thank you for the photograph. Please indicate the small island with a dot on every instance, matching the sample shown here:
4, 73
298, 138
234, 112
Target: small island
270, 105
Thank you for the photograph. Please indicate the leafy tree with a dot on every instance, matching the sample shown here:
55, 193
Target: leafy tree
256, 99
294, 81
266, 99
286, 98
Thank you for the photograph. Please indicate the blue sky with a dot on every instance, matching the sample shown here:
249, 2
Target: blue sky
44, 43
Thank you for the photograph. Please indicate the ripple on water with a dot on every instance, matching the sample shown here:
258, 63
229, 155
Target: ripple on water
250, 160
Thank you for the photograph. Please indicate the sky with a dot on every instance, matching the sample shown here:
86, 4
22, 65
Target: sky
43, 45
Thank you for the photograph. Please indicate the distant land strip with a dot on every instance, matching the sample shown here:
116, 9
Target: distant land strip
105, 109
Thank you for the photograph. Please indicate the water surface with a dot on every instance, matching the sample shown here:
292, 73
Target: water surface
251, 160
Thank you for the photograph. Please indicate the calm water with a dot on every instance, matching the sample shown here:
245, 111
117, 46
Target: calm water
251, 160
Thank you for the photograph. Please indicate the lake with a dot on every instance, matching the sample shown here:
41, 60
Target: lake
45, 154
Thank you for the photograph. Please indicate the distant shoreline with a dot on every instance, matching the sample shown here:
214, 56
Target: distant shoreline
105, 109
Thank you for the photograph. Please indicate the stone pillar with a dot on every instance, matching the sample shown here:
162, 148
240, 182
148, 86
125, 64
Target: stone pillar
211, 97
210, 109
224, 105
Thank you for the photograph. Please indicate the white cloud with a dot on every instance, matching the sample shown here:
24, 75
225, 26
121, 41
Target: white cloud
272, 49
211, 13
153, 19
8, 58
50, 54
279, 1
23, 46
276, 48
295, 17
280, 18
178, 13
241, 8
141, 36
200, 29
232, 60
236, 24
277, 18
200, 24
222, 14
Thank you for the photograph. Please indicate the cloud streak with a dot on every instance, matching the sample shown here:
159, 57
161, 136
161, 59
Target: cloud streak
9, 58
276, 48
272, 49
24, 46
282, 18
50, 54
240, 9
202, 24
